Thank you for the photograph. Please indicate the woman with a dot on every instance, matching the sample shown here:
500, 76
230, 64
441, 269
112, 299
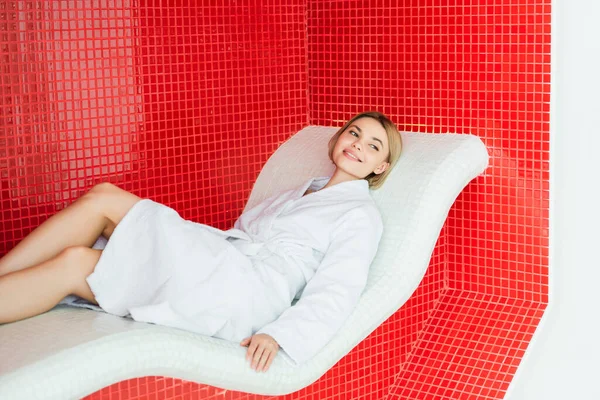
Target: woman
314, 243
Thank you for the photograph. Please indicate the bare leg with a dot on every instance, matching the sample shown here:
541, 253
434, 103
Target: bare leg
35, 290
80, 224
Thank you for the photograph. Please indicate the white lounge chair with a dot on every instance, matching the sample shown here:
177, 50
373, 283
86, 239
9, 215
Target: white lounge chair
71, 352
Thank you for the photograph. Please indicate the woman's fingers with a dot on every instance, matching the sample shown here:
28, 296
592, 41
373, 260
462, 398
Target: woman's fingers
269, 360
257, 356
260, 352
251, 349
263, 360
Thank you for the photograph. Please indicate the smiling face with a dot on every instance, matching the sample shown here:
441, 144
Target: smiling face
362, 149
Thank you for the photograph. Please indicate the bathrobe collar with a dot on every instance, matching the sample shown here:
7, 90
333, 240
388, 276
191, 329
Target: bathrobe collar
358, 185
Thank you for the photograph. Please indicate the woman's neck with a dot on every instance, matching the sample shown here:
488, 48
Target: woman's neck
339, 176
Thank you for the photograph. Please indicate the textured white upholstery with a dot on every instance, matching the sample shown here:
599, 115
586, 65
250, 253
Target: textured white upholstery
71, 352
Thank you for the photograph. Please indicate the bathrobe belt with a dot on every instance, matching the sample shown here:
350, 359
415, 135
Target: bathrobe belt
274, 255
254, 248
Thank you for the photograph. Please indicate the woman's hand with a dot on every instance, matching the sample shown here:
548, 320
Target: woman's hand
262, 349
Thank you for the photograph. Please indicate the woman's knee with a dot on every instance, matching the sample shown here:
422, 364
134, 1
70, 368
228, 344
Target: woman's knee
103, 187
106, 191
76, 254
113, 201
80, 262
100, 193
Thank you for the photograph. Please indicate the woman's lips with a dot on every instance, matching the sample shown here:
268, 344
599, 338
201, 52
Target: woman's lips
348, 155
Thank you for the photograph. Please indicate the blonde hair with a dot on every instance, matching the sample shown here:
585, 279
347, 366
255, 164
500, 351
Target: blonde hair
394, 140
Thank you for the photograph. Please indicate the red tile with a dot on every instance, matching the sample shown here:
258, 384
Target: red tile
160, 101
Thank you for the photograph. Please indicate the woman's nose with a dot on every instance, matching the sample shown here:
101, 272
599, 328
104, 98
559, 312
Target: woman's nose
357, 145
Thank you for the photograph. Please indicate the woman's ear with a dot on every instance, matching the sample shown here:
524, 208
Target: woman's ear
381, 168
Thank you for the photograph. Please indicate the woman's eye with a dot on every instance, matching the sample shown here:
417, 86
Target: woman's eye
356, 134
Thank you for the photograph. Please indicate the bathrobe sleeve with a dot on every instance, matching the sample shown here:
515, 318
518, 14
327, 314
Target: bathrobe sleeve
331, 295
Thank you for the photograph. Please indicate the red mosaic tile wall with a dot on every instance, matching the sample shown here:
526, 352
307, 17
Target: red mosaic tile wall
180, 104
184, 104
481, 68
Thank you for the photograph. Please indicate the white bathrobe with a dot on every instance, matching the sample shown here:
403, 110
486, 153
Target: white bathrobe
160, 268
